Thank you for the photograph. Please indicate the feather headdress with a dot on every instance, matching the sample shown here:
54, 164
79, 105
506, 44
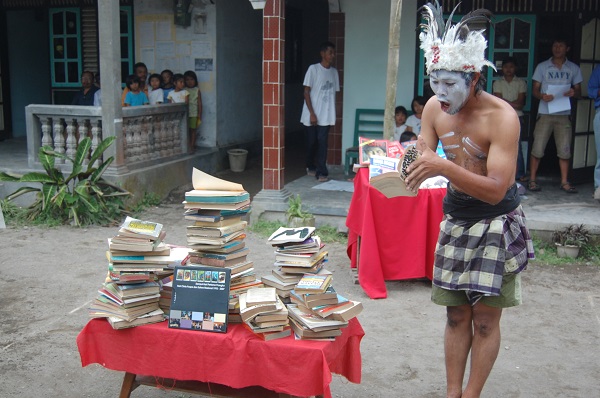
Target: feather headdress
453, 47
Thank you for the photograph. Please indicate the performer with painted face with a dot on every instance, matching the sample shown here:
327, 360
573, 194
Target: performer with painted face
483, 243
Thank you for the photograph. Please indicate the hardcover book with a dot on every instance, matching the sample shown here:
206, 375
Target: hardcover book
200, 299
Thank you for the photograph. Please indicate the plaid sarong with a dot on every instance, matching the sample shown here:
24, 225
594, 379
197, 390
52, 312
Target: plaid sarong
474, 255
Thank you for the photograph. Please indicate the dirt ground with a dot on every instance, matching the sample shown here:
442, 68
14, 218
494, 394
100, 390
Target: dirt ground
49, 276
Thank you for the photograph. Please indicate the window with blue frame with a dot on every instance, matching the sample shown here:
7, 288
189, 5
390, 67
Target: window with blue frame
65, 47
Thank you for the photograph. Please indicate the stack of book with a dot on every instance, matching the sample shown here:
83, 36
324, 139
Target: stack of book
263, 313
127, 305
298, 251
216, 237
137, 259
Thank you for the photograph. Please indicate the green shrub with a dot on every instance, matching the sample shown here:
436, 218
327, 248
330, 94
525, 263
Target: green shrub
82, 198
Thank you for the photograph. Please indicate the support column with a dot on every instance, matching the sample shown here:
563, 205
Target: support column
273, 195
110, 70
337, 35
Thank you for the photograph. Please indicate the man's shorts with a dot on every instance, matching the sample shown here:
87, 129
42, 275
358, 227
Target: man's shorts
194, 122
510, 294
545, 125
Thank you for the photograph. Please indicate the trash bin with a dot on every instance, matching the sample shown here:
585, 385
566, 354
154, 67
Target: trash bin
237, 159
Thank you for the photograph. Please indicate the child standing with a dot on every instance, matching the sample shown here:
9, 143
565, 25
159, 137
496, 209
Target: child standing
179, 95
135, 96
400, 115
195, 106
414, 121
156, 95
167, 83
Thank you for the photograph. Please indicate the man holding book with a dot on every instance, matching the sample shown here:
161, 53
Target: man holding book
483, 243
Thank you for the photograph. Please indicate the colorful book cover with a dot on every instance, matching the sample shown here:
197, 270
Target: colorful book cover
370, 147
200, 299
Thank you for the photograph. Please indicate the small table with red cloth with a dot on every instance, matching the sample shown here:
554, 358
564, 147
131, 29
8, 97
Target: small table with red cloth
237, 359
391, 238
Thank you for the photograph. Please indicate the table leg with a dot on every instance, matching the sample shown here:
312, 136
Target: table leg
129, 384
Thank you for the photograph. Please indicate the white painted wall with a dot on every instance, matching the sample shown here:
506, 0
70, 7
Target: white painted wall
365, 63
156, 14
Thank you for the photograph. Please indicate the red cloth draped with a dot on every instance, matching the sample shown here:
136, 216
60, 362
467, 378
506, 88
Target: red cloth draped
236, 359
398, 235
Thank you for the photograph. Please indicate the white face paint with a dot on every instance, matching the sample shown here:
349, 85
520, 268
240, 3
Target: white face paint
451, 89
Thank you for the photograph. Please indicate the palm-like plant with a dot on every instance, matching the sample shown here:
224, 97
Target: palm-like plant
83, 197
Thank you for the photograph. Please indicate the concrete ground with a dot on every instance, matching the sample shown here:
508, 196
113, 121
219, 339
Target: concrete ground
49, 276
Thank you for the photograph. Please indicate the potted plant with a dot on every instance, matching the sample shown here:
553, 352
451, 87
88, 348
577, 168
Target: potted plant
296, 216
569, 240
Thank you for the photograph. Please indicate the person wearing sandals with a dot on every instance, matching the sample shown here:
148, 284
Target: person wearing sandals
483, 243
557, 70
321, 82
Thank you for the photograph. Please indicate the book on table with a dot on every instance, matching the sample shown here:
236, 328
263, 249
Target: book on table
215, 215
382, 164
313, 283
175, 257
200, 299
281, 315
215, 241
139, 228
193, 230
285, 235
325, 310
238, 289
272, 281
300, 260
249, 312
309, 245
227, 247
133, 290
223, 222
295, 269
257, 296
313, 321
101, 307
214, 196
216, 206
215, 262
129, 244
162, 249
347, 313
152, 317
305, 333
268, 336
286, 277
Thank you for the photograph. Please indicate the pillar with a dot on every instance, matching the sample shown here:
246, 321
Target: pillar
273, 94
110, 70
337, 33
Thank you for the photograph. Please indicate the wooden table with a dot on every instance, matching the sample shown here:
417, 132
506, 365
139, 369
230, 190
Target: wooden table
233, 364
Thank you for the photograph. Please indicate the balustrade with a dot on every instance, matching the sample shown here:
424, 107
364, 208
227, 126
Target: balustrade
150, 133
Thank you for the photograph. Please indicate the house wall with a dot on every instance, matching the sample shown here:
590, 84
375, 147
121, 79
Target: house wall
28, 81
366, 49
160, 44
239, 76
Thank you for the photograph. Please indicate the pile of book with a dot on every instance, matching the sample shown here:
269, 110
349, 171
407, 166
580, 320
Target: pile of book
137, 259
315, 295
263, 313
216, 237
298, 251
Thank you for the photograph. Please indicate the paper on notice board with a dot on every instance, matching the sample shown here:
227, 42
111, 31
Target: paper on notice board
560, 103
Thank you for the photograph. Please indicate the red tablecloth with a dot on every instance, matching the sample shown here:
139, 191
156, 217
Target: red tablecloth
398, 235
236, 359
